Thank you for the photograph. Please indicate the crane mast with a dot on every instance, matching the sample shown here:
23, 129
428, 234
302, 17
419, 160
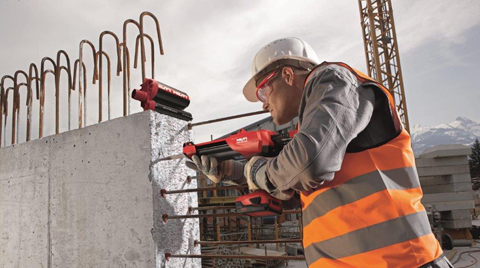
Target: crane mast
381, 50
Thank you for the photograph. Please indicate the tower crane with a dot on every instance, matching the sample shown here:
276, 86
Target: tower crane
381, 50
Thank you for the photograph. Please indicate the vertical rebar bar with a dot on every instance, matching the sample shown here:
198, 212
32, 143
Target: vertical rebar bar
6, 112
43, 73
17, 101
57, 89
152, 52
42, 100
29, 108
126, 89
109, 77
119, 69
160, 44
2, 109
95, 73
31, 69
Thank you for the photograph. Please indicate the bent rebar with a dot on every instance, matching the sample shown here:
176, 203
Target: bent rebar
2, 101
16, 100
57, 89
75, 65
109, 74
42, 99
29, 110
126, 89
119, 69
6, 113
43, 73
95, 76
31, 69
152, 54
157, 24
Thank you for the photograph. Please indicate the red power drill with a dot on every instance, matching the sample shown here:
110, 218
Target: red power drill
243, 146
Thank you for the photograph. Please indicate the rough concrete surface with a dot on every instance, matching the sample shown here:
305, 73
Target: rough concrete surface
23, 205
89, 197
175, 236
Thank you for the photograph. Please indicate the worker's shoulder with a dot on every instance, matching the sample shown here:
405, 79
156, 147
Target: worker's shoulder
332, 69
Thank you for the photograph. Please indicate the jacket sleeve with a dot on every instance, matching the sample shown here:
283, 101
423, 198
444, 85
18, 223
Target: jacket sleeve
334, 109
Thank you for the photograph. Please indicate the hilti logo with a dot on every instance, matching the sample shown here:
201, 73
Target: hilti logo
242, 140
172, 91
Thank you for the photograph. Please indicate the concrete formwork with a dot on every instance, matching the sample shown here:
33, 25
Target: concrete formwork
91, 197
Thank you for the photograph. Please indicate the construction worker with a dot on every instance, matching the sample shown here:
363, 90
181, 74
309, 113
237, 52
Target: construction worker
351, 162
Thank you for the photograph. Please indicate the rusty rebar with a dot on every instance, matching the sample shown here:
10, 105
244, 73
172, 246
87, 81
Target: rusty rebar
152, 48
166, 217
17, 102
126, 90
42, 101
1, 113
190, 126
6, 110
29, 108
3, 110
142, 33
100, 80
109, 77
33, 68
163, 192
127, 71
57, 89
211, 208
95, 76
279, 241
75, 66
245, 257
43, 73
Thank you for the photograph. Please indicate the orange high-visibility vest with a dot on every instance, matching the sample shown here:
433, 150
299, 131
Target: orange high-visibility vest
370, 214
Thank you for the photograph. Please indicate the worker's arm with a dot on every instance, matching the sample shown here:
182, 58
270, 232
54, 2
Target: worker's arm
333, 110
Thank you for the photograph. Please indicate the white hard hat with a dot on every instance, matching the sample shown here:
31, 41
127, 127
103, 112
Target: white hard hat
286, 51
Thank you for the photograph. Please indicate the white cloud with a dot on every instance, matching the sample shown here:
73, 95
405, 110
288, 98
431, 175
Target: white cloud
419, 22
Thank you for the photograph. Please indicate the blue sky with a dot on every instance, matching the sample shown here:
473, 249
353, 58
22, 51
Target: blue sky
209, 46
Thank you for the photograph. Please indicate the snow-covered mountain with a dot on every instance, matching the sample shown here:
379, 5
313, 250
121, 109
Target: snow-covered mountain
461, 131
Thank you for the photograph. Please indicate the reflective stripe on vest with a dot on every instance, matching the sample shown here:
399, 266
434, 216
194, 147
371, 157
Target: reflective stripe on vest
370, 214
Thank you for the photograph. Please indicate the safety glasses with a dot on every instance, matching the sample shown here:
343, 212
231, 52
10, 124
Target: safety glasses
262, 88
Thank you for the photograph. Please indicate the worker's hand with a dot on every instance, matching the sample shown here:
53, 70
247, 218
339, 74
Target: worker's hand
250, 172
230, 171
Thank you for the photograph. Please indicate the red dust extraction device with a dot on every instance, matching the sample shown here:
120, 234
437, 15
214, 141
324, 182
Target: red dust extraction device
163, 99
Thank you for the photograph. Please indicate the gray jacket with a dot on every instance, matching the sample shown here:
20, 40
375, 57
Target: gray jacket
334, 109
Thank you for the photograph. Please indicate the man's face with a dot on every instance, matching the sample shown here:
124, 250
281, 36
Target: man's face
282, 98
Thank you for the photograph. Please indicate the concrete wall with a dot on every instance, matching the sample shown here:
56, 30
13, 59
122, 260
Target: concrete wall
90, 197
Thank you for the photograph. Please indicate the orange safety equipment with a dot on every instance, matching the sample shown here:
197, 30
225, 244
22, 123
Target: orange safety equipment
370, 214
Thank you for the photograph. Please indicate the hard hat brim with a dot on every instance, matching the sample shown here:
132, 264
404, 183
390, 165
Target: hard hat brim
249, 90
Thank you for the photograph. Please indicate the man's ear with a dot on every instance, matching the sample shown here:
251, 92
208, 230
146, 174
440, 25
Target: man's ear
288, 75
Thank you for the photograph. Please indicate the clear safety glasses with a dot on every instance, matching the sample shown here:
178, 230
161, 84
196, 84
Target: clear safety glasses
262, 88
